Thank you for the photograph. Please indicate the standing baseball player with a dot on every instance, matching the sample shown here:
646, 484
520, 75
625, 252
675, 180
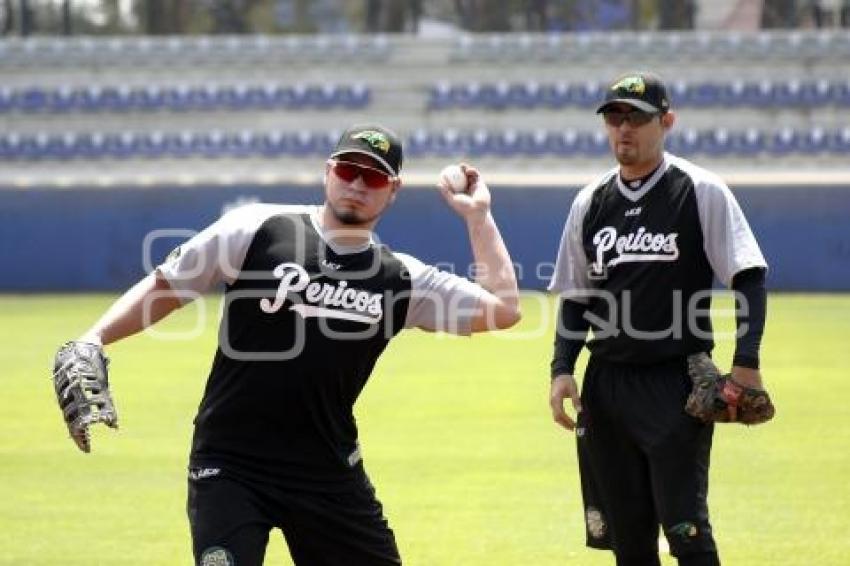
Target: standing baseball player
310, 302
640, 248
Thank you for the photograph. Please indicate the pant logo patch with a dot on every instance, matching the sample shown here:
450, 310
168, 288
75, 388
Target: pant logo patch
217, 556
595, 522
685, 530
203, 473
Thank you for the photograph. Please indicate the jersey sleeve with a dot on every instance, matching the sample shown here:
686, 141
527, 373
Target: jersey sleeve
570, 278
215, 254
728, 241
439, 300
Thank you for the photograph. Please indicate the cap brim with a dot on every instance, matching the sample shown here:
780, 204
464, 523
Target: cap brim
639, 104
377, 158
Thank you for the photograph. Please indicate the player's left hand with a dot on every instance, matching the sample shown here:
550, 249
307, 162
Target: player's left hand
81, 382
723, 398
473, 203
564, 386
747, 377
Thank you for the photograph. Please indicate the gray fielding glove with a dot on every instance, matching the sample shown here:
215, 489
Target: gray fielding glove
718, 398
81, 381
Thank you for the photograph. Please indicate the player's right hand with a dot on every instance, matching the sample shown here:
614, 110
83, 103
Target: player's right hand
564, 386
475, 202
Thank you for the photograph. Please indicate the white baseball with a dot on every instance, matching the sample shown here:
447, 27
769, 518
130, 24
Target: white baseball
455, 178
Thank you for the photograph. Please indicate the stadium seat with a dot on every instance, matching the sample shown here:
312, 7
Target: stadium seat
418, 143
149, 98
556, 96
587, 95
355, 96
839, 142
440, 96
33, 99
784, 142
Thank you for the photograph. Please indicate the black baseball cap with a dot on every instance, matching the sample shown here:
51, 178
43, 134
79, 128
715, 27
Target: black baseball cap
373, 140
644, 91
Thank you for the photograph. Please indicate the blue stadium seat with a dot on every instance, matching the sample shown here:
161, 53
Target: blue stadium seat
538, 143
587, 95
563, 143
299, 96
685, 142
353, 96
788, 94
119, 146
226, 97
149, 98
202, 98
556, 96
152, 145
706, 94
841, 93
256, 98
747, 143
730, 94
492, 97
33, 146
515, 96
447, 143
326, 142
757, 95
33, 99
304, 143
418, 143
10, 145
467, 95
814, 141
182, 144
507, 143
680, 94
89, 145
272, 144
440, 96
784, 142
717, 142
480, 143
114, 99
244, 144
177, 98
839, 142
816, 93
7, 99
241, 99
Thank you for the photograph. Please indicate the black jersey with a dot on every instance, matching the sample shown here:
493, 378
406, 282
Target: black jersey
302, 327
644, 259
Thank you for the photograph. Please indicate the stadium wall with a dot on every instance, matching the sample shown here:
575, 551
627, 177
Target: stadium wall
95, 239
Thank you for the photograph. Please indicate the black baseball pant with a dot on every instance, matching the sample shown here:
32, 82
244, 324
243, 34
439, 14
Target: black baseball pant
231, 519
643, 462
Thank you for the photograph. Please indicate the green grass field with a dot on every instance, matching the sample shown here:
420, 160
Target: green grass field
457, 437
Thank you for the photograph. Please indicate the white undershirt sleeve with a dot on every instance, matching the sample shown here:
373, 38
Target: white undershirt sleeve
440, 301
728, 241
216, 254
570, 279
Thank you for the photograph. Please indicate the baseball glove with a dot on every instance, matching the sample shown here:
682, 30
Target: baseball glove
81, 381
718, 398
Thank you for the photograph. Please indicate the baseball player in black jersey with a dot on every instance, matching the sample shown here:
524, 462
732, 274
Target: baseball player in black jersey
310, 302
640, 249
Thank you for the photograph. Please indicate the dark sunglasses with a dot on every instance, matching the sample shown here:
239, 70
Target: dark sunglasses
636, 118
372, 178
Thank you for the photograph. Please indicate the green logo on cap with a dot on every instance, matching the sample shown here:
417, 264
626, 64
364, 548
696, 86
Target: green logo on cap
376, 139
632, 85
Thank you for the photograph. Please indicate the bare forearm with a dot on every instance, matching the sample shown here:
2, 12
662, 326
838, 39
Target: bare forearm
494, 269
147, 302
494, 272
